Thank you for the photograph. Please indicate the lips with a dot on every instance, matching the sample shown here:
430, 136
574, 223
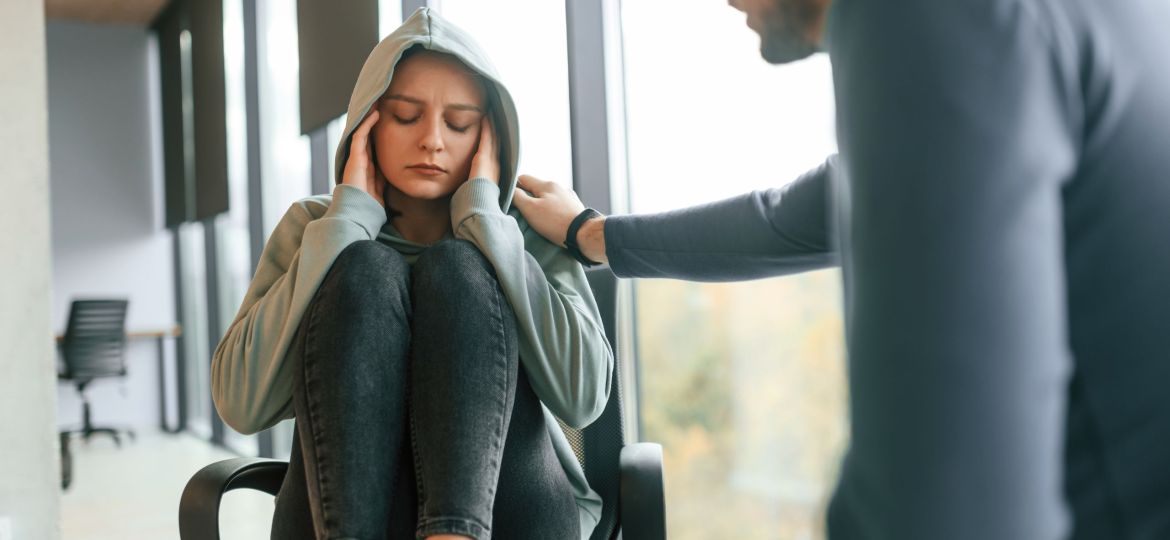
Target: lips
426, 167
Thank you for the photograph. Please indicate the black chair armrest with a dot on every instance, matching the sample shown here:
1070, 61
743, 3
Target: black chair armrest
199, 507
643, 502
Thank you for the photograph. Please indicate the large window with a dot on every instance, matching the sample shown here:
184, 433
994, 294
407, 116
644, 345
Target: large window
530, 52
284, 152
234, 255
193, 294
743, 384
233, 250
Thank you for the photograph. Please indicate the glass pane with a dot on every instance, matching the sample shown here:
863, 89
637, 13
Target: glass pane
332, 138
193, 288
743, 384
234, 257
284, 152
282, 439
389, 16
531, 55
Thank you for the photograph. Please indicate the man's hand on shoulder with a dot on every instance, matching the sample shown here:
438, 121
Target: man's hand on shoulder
550, 208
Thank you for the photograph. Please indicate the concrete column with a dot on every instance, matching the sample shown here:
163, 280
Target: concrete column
29, 466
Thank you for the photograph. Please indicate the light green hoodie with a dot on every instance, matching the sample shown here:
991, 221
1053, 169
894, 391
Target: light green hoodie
563, 349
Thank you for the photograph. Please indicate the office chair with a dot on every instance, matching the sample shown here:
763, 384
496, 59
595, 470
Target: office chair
94, 346
627, 476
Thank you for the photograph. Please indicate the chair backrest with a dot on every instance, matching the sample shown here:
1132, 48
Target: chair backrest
602, 441
95, 339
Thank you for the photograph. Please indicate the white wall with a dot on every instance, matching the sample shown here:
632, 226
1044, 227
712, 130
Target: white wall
29, 471
106, 189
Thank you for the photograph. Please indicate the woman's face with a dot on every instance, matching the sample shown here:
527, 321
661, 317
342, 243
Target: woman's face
429, 125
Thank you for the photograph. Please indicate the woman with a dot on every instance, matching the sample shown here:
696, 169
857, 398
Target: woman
423, 336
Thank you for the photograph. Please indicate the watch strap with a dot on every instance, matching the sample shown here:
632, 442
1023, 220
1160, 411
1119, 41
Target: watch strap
571, 236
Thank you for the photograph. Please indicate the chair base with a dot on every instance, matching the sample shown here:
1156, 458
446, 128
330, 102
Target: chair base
87, 432
87, 428
66, 437
66, 462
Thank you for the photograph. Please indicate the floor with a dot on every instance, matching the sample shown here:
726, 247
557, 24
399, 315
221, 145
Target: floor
132, 493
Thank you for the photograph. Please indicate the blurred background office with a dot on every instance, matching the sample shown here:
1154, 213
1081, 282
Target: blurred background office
150, 147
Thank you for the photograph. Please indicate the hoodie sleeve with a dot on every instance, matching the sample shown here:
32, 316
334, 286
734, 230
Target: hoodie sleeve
251, 379
562, 345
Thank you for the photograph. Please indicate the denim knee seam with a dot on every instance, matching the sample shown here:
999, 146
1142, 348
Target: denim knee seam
315, 426
353, 353
501, 424
452, 525
504, 349
414, 455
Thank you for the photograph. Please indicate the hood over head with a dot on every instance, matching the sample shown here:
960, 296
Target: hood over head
425, 28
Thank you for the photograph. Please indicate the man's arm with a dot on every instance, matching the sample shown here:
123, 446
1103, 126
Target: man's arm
956, 139
759, 234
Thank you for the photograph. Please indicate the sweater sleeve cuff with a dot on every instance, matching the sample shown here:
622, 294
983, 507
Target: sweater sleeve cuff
476, 196
614, 228
354, 204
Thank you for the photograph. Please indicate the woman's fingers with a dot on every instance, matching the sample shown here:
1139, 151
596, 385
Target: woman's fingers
487, 135
369, 122
361, 134
359, 144
486, 162
359, 167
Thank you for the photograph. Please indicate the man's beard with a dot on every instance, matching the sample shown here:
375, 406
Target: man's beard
785, 48
785, 37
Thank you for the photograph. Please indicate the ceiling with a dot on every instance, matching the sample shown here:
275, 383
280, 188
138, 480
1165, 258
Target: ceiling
136, 12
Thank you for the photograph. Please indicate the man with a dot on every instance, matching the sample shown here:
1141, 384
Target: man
1000, 209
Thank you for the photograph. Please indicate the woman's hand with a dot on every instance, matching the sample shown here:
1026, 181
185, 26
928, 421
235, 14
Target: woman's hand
550, 208
360, 171
486, 161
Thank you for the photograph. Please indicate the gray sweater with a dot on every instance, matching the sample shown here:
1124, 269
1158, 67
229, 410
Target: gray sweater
1001, 213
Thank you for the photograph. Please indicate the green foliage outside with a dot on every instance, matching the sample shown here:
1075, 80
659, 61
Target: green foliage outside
744, 386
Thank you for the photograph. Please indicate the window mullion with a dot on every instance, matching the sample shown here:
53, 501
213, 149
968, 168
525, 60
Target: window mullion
597, 118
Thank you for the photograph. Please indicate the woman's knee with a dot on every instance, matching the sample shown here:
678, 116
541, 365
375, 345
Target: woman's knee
359, 319
459, 306
367, 278
453, 268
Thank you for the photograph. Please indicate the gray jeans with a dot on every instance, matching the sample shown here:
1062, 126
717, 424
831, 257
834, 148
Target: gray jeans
414, 417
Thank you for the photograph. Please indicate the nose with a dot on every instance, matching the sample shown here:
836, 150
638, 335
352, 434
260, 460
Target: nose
431, 139
737, 4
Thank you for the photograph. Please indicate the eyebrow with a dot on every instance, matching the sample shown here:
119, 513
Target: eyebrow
416, 101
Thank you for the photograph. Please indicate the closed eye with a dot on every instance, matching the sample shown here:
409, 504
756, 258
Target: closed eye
409, 121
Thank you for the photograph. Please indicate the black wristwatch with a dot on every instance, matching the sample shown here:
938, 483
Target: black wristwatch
571, 237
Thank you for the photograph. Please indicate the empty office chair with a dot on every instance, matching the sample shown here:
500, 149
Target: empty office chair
94, 347
627, 476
